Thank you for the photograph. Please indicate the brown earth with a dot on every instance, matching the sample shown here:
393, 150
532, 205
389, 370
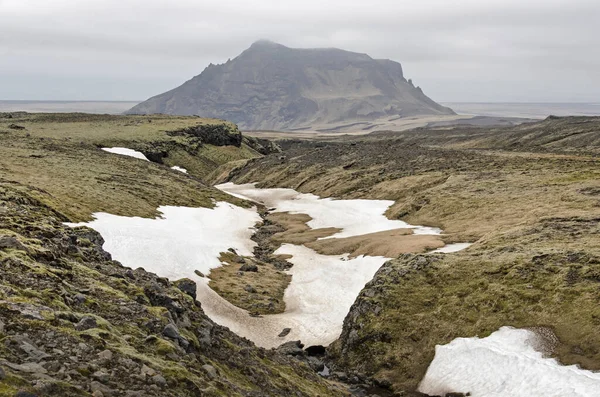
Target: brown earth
389, 244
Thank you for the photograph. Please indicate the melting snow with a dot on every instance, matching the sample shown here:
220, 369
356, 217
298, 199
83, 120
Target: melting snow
504, 364
180, 169
355, 217
181, 241
125, 152
322, 290
323, 287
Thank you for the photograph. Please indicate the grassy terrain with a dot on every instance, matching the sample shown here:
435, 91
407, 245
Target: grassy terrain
259, 292
528, 197
59, 156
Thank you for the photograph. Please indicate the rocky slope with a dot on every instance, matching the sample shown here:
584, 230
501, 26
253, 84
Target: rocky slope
75, 323
270, 86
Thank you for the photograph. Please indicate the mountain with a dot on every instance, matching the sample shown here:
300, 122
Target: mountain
270, 86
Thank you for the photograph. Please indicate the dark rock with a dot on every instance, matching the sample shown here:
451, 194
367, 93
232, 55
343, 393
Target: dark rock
183, 343
204, 333
250, 289
187, 286
87, 322
292, 348
101, 376
171, 331
249, 267
105, 355
79, 298
159, 380
16, 127
210, 370
199, 273
316, 364
285, 332
27, 310
157, 298
30, 368
129, 274
96, 386
147, 371
32, 351
2, 374
11, 242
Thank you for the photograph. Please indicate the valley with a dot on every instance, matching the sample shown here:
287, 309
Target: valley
312, 237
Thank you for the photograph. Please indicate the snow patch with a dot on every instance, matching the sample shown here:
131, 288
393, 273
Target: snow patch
126, 152
322, 290
181, 241
323, 287
180, 169
504, 364
449, 248
354, 217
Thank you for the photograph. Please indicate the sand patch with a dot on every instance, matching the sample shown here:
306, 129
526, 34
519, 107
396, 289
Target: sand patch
389, 244
297, 230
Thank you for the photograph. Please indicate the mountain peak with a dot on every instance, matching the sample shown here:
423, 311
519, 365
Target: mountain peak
265, 43
271, 86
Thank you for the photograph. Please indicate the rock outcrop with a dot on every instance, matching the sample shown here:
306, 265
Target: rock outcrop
270, 86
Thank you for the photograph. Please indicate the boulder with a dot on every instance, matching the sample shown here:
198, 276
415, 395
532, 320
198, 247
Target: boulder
210, 370
87, 322
159, 380
285, 332
187, 286
292, 348
249, 267
171, 331
11, 242
147, 371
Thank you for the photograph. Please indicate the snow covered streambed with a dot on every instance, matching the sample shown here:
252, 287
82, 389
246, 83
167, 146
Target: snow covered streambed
506, 363
355, 217
323, 287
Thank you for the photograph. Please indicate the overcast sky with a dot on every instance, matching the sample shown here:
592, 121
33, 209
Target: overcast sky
462, 50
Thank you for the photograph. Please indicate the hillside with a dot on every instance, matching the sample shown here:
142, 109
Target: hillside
526, 196
270, 86
74, 322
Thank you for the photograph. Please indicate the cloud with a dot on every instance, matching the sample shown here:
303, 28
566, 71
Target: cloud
497, 50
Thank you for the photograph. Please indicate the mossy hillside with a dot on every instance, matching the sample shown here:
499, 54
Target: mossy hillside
196, 144
545, 274
77, 179
466, 192
53, 279
532, 211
